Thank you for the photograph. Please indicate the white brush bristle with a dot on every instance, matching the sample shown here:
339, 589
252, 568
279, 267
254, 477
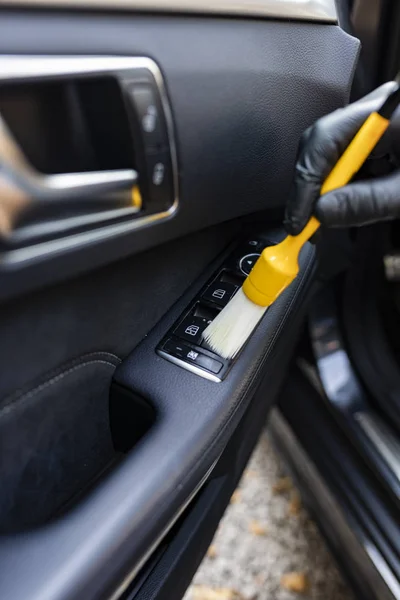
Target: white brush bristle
232, 327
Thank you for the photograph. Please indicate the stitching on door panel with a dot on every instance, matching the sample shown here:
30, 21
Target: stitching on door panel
17, 393
55, 379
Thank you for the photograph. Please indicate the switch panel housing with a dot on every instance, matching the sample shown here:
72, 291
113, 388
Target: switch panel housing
183, 345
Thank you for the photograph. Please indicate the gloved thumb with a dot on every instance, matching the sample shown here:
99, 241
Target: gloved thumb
361, 203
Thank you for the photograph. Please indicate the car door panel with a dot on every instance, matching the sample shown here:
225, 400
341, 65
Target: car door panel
254, 87
106, 444
141, 498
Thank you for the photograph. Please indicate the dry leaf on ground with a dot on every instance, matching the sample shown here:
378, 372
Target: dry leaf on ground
282, 485
203, 592
295, 504
295, 582
236, 497
250, 474
260, 579
256, 528
212, 551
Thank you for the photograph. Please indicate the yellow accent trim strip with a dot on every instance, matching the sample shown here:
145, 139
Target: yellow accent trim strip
137, 200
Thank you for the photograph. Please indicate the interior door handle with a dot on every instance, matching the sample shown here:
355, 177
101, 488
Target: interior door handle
21, 185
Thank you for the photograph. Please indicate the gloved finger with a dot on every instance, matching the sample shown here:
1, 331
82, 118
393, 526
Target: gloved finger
389, 144
361, 203
320, 148
391, 141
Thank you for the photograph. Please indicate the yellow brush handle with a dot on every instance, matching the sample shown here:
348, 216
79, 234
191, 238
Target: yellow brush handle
356, 153
349, 164
278, 265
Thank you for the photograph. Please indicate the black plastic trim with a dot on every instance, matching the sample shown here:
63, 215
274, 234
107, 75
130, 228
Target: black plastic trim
344, 394
373, 564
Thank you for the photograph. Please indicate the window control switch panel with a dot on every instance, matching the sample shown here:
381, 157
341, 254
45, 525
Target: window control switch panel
191, 328
183, 345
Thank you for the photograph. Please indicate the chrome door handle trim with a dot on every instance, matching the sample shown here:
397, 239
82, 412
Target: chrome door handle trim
92, 182
15, 167
22, 186
41, 67
322, 11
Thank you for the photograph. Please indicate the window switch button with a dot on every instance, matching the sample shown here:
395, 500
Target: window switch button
192, 356
220, 292
192, 328
176, 348
208, 363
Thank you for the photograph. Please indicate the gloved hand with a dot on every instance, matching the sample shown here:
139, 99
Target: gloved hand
320, 147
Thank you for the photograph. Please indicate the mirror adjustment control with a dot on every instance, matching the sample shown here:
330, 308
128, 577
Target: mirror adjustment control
247, 262
220, 292
188, 354
191, 328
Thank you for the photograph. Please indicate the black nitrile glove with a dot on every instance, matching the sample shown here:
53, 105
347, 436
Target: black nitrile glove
321, 146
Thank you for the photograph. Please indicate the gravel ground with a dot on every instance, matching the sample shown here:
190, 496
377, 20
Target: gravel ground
267, 543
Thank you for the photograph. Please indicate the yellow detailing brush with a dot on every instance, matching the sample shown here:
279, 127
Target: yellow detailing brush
278, 265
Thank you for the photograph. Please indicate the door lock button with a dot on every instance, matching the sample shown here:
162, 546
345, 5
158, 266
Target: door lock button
192, 328
160, 178
149, 116
220, 292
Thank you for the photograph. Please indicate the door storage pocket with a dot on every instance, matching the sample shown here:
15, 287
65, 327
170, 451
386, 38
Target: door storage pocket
55, 440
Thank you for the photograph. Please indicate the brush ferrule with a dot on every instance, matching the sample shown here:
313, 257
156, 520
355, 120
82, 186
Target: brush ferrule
274, 271
259, 287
